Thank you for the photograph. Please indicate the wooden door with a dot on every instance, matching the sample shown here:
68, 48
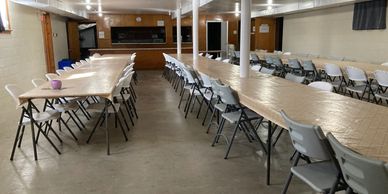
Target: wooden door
73, 40
48, 42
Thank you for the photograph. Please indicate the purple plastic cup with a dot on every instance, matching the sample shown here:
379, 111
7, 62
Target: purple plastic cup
56, 84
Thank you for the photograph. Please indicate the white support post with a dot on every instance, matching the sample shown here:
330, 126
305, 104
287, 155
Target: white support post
195, 29
245, 37
178, 31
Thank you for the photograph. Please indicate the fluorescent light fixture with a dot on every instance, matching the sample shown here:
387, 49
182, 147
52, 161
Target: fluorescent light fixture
88, 7
87, 1
269, 2
100, 14
237, 9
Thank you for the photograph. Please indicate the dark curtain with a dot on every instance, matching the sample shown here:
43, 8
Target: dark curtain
2, 29
370, 15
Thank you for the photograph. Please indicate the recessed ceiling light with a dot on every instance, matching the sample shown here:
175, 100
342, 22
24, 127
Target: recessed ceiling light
100, 14
88, 7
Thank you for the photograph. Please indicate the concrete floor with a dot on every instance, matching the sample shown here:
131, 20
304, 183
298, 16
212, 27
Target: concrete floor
166, 153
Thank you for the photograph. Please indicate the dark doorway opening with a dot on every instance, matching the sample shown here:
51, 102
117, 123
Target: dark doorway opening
213, 36
87, 38
279, 34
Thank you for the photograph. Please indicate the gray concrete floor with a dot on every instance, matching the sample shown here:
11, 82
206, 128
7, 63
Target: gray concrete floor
166, 153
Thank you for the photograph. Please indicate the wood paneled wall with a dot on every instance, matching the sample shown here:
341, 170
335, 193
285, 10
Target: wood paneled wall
107, 21
265, 41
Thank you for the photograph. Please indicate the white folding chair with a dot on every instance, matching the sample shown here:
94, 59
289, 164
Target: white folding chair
335, 76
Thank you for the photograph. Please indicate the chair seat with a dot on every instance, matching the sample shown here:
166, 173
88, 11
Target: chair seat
209, 95
99, 107
221, 107
196, 92
357, 89
66, 107
120, 98
319, 175
234, 116
43, 116
69, 99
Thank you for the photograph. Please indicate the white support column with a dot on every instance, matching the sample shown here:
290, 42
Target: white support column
178, 31
195, 29
245, 37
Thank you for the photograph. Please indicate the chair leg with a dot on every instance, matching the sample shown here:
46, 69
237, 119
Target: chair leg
285, 188
95, 127
121, 126
180, 101
72, 118
21, 136
125, 121
49, 126
219, 131
231, 141
207, 111
211, 119
48, 139
68, 128
16, 139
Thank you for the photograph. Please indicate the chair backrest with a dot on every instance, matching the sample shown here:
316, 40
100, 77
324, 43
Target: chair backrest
267, 71
294, 64
363, 175
96, 55
268, 59
210, 56
88, 60
188, 74
205, 80
119, 86
38, 82
215, 88
324, 86
218, 59
237, 54
226, 60
333, 70
255, 58
74, 66
79, 64
133, 57
287, 53
277, 62
67, 68
308, 65
14, 92
295, 78
60, 71
308, 140
385, 64
200, 54
356, 74
83, 62
256, 67
381, 77
52, 76
227, 95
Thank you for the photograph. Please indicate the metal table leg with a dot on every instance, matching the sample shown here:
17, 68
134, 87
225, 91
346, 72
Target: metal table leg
269, 146
32, 121
106, 126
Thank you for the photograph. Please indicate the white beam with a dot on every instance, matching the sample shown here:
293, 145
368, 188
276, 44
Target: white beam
178, 31
245, 37
195, 29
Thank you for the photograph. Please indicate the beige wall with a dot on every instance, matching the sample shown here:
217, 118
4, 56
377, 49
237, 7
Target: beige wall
329, 32
22, 57
58, 25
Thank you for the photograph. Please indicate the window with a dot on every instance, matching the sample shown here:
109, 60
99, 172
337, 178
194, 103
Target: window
4, 22
185, 32
138, 35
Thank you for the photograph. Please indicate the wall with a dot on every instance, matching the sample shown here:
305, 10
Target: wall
21, 59
329, 33
58, 25
104, 23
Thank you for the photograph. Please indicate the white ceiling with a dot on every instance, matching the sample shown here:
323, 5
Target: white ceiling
166, 6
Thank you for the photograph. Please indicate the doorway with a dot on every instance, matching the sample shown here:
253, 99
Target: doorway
217, 37
81, 38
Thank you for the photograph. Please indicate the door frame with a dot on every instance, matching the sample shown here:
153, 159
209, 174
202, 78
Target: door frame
48, 42
227, 31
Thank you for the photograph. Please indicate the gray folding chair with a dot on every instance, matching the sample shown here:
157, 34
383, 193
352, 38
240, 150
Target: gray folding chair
240, 116
295, 78
310, 143
363, 175
294, 66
